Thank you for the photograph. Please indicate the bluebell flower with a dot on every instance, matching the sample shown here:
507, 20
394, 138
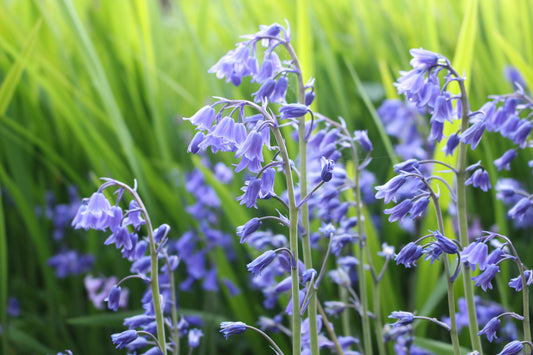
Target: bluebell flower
113, 299
265, 90
484, 279
403, 318
419, 207
194, 336
280, 90
433, 252
480, 178
93, 213
232, 328
161, 232
424, 58
362, 138
327, 169
490, 329
235, 65
70, 262
134, 216
437, 130
293, 111
309, 97
505, 160
520, 208
194, 145
121, 237
510, 126
445, 244
267, 183
409, 255
203, 118
399, 211
123, 339
153, 351
407, 166
411, 83
516, 283
251, 193
512, 348
262, 261
473, 134
514, 77
137, 321
521, 133
452, 143
333, 308
251, 153
475, 254
388, 190
248, 228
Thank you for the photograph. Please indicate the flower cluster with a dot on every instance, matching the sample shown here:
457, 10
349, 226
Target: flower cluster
159, 301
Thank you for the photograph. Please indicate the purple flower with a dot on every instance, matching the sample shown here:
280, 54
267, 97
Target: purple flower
388, 190
121, 237
480, 178
251, 153
134, 217
484, 279
491, 328
505, 160
520, 208
513, 348
399, 211
327, 169
476, 254
362, 138
445, 244
261, 262
309, 97
293, 111
247, 229
423, 57
419, 207
516, 283
235, 65
70, 262
521, 134
232, 328
265, 91
403, 318
452, 143
278, 96
194, 146
409, 255
113, 299
267, 183
161, 232
194, 337
138, 321
407, 166
123, 339
473, 134
203, 119
94, 213
251, 193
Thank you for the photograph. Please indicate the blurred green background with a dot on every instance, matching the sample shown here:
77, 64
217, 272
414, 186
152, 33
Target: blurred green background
97, 88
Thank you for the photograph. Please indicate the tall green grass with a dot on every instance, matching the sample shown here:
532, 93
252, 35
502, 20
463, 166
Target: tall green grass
97, 88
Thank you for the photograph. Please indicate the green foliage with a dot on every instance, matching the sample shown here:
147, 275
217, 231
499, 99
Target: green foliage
98, 88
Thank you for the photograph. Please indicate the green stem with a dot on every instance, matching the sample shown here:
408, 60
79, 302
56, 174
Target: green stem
272, 342
293, 242
330, 330
462, 217
304, 210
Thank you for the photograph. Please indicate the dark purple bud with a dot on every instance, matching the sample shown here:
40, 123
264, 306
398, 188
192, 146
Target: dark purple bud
247, 229
195, 142
309, 97
113, 299
409, 255
445, 244
407, 166
161, 232
452, 143
513, 348
261, 262
403, 318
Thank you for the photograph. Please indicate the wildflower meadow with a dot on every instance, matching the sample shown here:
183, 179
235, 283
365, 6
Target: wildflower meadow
296, 177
